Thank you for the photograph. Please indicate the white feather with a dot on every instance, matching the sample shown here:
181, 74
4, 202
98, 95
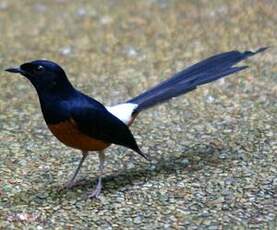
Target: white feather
123, 111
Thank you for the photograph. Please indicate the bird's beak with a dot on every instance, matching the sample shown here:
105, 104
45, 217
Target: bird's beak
15, 70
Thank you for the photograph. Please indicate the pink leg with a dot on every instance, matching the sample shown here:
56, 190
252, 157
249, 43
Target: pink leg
71, 183
96, 192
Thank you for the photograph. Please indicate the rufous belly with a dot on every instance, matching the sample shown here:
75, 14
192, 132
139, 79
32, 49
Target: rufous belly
68, 133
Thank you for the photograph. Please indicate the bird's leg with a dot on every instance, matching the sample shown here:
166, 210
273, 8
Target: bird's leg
72, 182
96, 192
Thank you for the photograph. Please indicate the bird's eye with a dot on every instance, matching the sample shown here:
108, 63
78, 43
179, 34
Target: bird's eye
39, 68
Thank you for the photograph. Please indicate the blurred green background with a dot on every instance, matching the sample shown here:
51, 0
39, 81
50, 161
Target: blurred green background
213, 151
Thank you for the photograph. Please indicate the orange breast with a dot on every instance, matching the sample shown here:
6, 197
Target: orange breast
69, 134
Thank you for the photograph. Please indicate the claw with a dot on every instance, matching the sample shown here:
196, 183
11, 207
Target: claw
69, 185
97, 191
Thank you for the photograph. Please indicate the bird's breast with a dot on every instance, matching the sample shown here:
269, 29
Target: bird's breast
69, 134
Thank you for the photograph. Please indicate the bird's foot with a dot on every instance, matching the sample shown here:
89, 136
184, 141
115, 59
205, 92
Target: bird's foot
96, 192
67, 185
70, 184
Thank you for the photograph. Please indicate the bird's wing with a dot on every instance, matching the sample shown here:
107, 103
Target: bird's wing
100, 124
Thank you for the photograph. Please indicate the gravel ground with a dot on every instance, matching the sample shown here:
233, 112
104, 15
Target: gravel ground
213, 151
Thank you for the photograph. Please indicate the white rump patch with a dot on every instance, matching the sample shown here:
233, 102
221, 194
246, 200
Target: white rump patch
123, 111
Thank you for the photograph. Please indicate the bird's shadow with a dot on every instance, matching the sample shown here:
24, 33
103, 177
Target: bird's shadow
191, 160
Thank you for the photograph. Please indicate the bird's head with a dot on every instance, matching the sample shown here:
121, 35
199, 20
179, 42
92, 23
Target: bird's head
44, 75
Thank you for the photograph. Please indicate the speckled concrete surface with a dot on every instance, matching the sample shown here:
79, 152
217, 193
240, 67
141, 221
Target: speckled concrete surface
213, 151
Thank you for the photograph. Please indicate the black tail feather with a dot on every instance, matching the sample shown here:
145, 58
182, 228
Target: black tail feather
206, 71
142, 154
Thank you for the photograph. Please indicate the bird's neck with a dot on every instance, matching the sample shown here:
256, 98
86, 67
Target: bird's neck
53, 102
55, 91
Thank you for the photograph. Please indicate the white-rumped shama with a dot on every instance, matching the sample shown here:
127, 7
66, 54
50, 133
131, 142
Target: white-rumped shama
81, 122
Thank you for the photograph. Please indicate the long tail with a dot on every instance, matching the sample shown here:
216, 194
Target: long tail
206, 71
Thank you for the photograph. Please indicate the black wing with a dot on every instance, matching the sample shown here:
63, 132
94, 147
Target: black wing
96, 122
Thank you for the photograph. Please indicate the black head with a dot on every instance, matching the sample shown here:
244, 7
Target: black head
44, 75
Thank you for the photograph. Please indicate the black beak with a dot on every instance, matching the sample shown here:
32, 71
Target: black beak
15, 70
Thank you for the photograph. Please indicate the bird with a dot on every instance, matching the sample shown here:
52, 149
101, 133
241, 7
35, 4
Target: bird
83, 123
